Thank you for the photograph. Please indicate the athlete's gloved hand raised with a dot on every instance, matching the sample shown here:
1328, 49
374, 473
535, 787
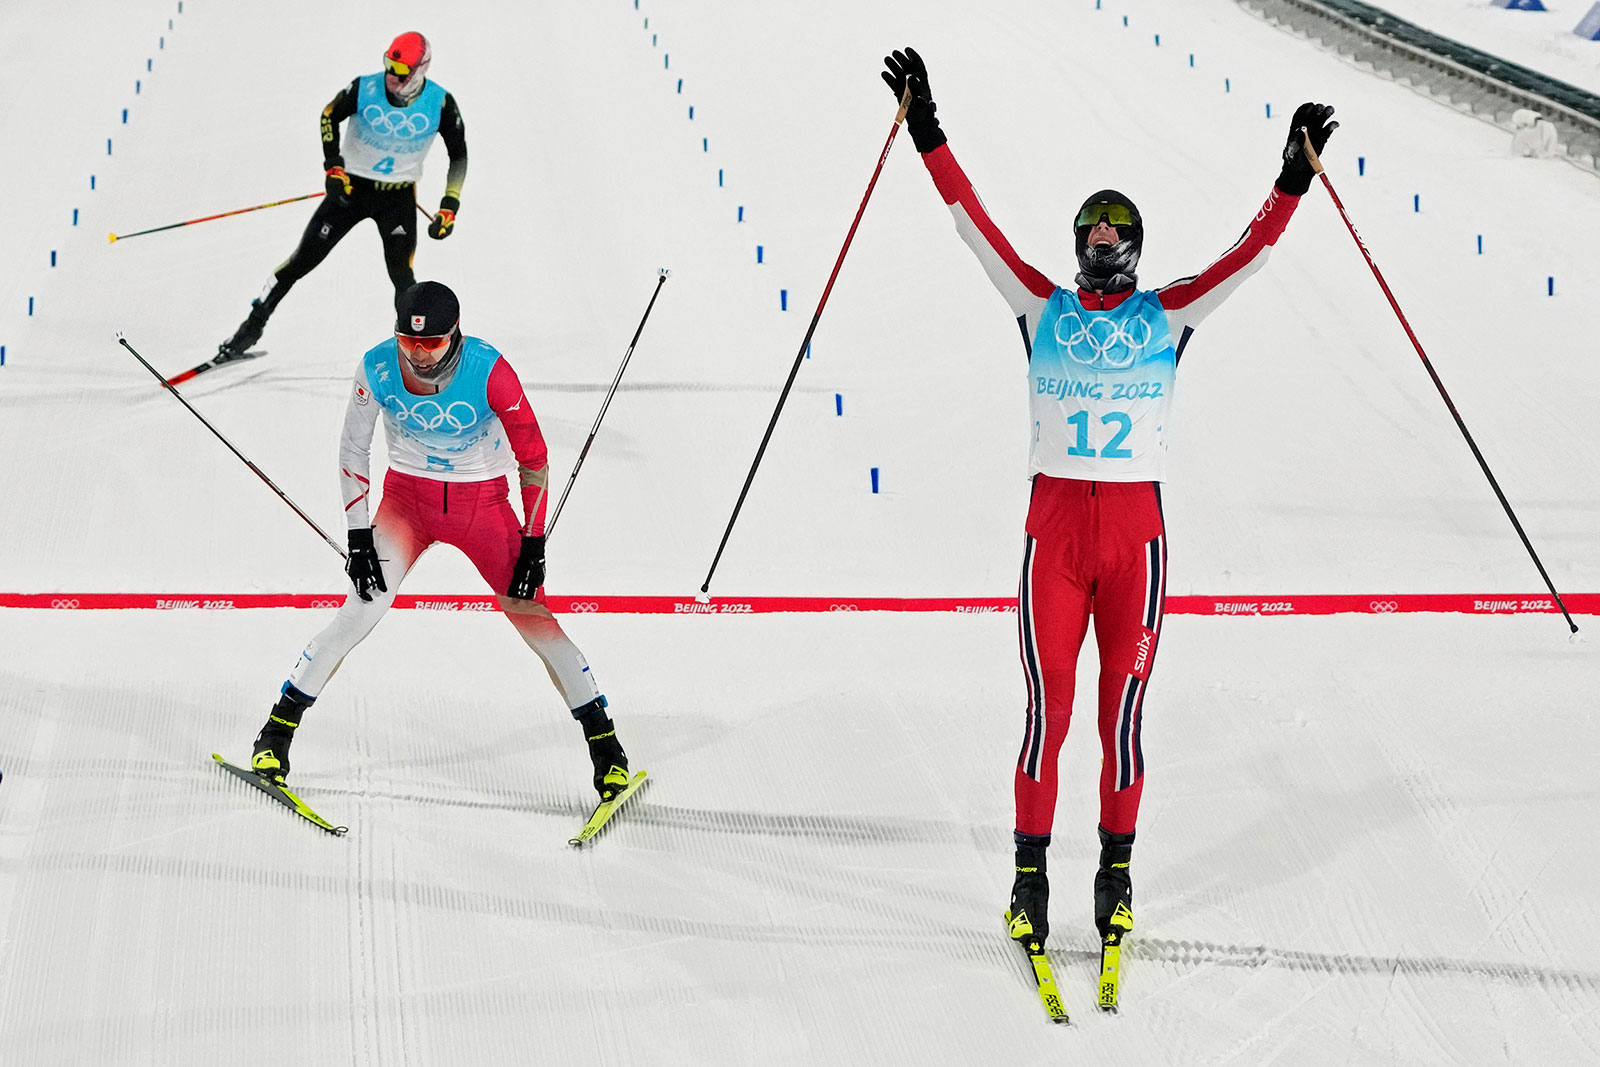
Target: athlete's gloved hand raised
362, 565
907, 69
1296, 175
337, 183
528, 575
445, 220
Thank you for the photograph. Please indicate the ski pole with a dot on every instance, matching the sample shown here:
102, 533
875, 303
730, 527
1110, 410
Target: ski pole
123, 341
1316, 165
238, 211
661, 280
899, 117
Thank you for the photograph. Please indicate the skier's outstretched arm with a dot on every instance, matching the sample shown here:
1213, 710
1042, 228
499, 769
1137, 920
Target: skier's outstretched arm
355, 451
1025, 289
1189, 300
509, 402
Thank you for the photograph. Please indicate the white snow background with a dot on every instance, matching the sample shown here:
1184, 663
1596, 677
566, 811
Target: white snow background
1365, 839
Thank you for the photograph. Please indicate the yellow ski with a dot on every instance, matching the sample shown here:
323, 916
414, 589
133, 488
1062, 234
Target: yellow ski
282, 796
1043, 976
605, 809
1111, 958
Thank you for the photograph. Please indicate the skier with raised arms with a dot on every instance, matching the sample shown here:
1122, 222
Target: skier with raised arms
392, 119
457, 423
1102, 360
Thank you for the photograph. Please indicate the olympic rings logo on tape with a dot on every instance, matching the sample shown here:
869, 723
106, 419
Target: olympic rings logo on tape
65, 602
1384, 607
327, 603
452, 421
396, 123
1103, 341
584, 607
843, 607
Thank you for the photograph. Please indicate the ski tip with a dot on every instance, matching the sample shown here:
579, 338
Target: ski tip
111, 237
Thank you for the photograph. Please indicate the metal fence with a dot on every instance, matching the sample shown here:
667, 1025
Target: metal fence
1463, 78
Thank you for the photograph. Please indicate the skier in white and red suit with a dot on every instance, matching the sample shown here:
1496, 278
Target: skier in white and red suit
1102, 362
457, 423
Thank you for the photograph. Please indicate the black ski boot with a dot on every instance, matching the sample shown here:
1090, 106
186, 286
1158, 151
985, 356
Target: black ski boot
248, 333
1029, 914
1113, 888
271, 758
605, 751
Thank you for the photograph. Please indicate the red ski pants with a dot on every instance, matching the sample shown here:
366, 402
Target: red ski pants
1092, 548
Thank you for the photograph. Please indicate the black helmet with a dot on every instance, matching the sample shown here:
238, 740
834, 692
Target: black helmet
1108, 268
430, 309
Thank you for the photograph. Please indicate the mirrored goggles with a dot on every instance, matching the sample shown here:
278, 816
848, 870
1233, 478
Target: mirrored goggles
395, 67
412, 346
1116, 214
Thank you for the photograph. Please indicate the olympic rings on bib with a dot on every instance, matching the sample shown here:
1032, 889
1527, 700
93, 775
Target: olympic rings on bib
428, 415
1103, 342
396, 123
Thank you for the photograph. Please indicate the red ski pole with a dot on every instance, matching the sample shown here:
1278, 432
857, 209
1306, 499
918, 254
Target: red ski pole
1316, 165
899, 117
238, 211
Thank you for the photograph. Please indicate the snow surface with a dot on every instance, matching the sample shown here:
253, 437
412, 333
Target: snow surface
1364, 839
1539, 40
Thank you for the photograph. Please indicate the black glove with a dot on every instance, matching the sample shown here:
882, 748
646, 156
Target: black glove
528, 575
337, 182
445, 220
906, 68
1296, 175
362, 565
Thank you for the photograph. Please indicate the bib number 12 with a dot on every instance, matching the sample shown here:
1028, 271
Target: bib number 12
1113, 448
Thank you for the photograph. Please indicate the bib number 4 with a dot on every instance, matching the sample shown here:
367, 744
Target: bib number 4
1112, 449
384, 165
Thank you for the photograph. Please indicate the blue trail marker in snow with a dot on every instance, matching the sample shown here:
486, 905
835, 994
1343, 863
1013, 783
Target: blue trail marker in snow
161, 42
1519, 5
652, 39
124, 116
1550, 286
91, 181
719, 177
759, 249
741, 214
1191, 59
691, 112
149, 64
136, 87
680, 85
2, 355
108, 146
1227, 85
1269, 111
705, 144
74, 216
1124, 20
783, 299
1416, 201
1480, 244
875, 469
666, 61
1158, 40
838, 403
52, 257
30, 306
1361, 165
1589, 28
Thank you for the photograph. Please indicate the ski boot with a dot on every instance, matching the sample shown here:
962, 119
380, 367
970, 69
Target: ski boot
605, 751
248, 333
271, 757
1030, 895
1113, 911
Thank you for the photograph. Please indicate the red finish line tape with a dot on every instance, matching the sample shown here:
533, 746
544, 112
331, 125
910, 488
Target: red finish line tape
1320, 604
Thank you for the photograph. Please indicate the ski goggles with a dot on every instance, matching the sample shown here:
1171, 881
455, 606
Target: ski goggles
395, 67
414, 346
1116, 214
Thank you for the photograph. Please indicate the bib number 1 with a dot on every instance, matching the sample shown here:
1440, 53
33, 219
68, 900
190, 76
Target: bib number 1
1113, 448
